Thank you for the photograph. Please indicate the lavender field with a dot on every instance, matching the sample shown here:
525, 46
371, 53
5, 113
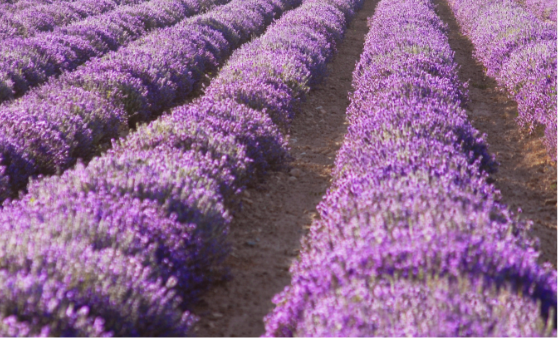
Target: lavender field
278, 168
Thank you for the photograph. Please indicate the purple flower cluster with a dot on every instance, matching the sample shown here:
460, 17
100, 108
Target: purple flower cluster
13, 6
519, 50
411, 239
122, 245
46, 17
76, 116
28, 62
254, 96
544, 9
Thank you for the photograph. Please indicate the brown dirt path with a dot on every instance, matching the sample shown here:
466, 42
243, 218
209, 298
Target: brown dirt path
526, 176
266, 234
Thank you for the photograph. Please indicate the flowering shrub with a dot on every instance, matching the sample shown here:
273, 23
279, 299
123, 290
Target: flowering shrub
76, 115
544, 9
29, 61
519, 50
121, 246
26, 19
411, 239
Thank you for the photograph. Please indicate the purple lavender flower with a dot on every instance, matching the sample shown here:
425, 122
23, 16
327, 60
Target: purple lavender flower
543, 9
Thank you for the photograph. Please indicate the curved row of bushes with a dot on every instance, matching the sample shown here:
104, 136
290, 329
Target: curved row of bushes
76, 115
46, 17
411, 239
544, 9
12, 6
105, 249
28, 62
519, 50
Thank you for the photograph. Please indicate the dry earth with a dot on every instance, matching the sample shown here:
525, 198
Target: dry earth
266, 233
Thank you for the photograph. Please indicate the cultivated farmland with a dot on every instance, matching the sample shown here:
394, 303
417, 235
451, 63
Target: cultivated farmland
278, 168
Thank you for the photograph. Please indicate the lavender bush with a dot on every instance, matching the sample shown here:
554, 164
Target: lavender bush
28, 62
411, 238
76, 115
52, 288
105, 249
46, 17
13, 6
519, 50
544, 9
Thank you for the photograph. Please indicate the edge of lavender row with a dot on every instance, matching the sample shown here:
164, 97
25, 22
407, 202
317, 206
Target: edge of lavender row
151, 233
6, 6
73, 116
153, 135
46, 17
344, 256
29, 62
543, 9
519, 50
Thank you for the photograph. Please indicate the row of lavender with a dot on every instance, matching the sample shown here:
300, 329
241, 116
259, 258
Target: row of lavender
46, 17
17, 5
28, 62
104, 249
25, 3
544, 9
519, 50
411, 240
76, 115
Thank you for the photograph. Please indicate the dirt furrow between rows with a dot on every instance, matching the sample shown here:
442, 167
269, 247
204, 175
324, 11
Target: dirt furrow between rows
266, 233
526, 175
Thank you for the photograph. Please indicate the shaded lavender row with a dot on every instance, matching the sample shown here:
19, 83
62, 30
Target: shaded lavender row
28, 62
152, 213
18, 5
519, 50
544, 9
10, 7
46, 17
411, 239
76, 115
26, 3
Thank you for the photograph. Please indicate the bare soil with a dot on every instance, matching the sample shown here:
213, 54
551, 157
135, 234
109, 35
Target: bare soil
526, 176
266, 233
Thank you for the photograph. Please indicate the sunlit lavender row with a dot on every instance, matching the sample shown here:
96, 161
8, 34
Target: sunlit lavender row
121, 246
519, 50
75, 116
12, 6
28, 62
47, 17
544, 9
411, 239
